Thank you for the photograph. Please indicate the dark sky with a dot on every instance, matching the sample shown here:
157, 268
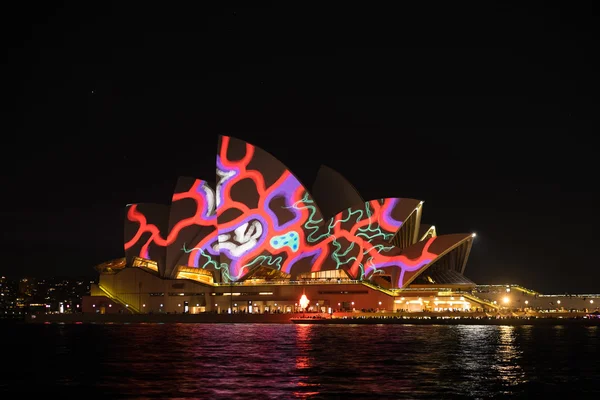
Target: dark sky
487, 114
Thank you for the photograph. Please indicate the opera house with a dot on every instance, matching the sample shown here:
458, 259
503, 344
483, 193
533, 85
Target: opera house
256, 240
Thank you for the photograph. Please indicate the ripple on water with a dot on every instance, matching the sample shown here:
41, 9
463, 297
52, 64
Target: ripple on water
303, 361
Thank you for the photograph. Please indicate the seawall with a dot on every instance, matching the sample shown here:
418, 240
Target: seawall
298, 317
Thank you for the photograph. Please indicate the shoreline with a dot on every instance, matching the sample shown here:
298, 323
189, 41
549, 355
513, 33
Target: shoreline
450, 321
300, 319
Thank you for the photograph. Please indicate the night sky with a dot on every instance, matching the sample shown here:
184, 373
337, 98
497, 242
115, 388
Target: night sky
486, 114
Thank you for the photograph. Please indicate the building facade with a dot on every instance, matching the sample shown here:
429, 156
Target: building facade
257, 239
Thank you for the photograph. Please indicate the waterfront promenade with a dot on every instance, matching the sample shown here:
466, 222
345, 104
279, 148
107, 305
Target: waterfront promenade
421, 318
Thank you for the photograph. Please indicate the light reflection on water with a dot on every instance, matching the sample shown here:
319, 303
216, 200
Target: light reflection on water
267, 361
507, 363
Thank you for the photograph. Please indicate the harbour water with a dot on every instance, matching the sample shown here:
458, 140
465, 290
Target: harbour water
277, 361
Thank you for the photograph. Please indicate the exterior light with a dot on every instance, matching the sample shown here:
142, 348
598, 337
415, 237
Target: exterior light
143, 305
178, 305
526, 302
161, 305
506, 300
110, 305
304, 301
473, 234
216, 305
197, 305
591, 301
126, 305
379, 303
558, 301
93, 305
352, 303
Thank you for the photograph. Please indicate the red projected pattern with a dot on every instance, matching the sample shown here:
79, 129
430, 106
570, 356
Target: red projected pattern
144, 227
264, 214
281, 227
265, 217
202, 215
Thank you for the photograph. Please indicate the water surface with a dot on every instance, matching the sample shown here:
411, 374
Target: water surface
238, 361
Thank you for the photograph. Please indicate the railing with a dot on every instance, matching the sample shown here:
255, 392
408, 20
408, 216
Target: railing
474, 298
375, 287
118, 300
511, 287
524, 290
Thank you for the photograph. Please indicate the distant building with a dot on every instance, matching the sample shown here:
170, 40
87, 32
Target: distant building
57, 294
8, 299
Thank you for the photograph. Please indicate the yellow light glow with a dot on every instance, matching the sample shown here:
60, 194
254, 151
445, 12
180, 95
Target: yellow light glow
304, 301
506, 300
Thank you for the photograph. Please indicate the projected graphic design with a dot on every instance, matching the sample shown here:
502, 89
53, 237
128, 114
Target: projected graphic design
330, 181
146, 225
265, 215
405, 264
183, 234
375, 219
193, 227
356, 239
260, 215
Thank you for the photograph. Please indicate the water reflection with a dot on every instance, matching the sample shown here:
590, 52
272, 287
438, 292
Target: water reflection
303, 346
305, 388
507, 359
301, 361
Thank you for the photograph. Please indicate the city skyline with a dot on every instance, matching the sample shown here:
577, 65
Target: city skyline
473, 128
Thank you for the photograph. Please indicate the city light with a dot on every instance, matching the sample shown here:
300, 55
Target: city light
506, 300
